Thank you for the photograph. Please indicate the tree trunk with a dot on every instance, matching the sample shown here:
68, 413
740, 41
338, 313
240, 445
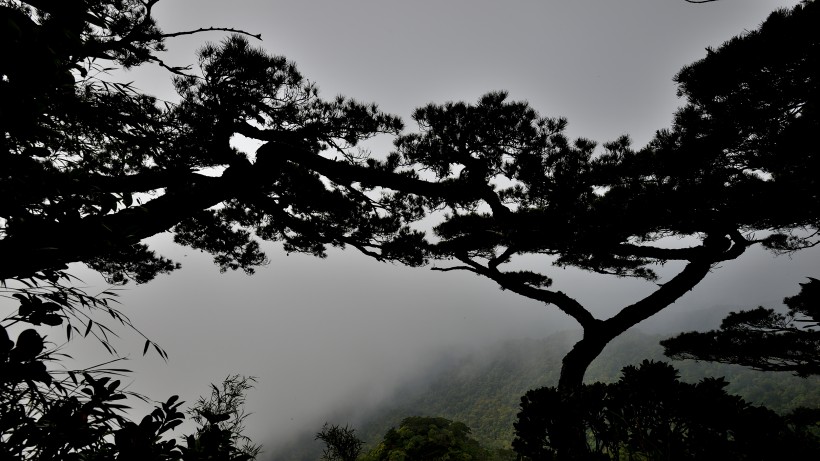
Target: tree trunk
575, 363
572, 442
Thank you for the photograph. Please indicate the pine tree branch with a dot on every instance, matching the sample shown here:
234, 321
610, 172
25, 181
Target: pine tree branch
562, 301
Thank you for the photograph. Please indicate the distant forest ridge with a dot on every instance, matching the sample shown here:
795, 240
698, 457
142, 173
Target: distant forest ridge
482, 389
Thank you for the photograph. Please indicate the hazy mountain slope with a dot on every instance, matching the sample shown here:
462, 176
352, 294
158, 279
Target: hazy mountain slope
483, 388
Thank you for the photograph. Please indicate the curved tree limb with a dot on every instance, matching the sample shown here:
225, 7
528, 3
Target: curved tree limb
561, 300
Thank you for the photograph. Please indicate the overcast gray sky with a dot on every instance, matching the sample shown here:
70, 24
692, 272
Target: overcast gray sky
325, 334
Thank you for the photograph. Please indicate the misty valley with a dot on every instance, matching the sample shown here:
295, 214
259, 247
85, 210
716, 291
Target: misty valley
482, 389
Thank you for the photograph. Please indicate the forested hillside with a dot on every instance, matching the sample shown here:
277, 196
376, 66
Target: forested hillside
482, 389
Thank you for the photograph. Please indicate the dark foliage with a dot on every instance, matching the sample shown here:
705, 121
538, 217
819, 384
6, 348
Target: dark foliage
341, 443
221, 423
650, 414
49, 412
761, 338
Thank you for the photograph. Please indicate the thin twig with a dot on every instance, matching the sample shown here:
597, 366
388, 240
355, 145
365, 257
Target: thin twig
212, 29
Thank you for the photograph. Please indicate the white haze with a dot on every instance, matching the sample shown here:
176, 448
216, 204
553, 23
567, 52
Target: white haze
328, 335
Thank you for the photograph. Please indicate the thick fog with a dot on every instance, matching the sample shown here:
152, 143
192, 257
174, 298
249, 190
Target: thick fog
330, 335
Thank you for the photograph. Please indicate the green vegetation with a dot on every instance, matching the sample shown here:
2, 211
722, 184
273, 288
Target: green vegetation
433, 439
484, 390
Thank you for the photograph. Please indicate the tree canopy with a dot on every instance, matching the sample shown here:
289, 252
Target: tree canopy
429, 438
98, 166
761, 338
95, 166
